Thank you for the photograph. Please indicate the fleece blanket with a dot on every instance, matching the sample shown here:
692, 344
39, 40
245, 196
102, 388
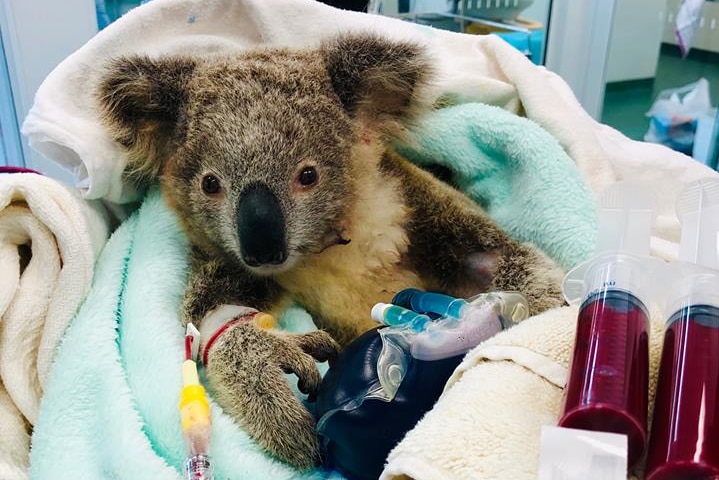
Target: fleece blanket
110, 408
63, 123
49, 240
516, 171
118, 372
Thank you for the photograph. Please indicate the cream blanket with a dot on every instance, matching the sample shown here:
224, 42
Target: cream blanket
64, 125
49, 240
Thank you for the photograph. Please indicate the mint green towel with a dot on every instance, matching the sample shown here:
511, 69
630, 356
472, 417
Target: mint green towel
110, 409
517, 171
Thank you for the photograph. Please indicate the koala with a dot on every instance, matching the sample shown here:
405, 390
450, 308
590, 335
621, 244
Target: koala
279, 165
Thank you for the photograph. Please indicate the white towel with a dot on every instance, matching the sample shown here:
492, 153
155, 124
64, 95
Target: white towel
487, 423
49, 240
64, 125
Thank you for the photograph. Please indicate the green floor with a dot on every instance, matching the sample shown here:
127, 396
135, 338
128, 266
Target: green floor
626, 103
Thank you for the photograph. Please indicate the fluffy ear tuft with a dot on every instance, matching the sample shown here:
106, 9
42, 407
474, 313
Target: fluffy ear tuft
142, 101
377, 79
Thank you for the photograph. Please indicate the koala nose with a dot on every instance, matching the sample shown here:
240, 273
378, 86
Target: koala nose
261, 227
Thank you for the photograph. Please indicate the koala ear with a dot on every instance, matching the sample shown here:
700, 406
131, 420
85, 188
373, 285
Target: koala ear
142, 101
377, 79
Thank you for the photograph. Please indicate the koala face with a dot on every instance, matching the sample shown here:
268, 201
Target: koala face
257, 151
264, 166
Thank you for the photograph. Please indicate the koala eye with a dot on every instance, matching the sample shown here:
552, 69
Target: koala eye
210, 184
307, 177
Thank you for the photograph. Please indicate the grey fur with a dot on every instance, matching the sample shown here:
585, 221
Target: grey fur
259, 118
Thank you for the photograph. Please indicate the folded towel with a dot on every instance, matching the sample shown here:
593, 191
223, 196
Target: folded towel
110, 407
64, 125
516, 171
49, 239
487, 423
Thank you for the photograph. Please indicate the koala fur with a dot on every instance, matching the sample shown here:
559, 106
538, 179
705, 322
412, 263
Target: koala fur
363, 224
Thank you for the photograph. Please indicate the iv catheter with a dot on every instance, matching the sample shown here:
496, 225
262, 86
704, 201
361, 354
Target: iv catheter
195, 414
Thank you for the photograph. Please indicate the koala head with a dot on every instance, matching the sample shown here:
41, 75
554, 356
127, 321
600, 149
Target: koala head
261, 152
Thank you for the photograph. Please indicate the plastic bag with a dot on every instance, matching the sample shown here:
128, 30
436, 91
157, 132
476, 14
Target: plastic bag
674, 115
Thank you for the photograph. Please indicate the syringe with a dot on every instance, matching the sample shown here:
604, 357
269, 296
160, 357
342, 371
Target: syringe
393, 315
607, 389
510, 307
685, 431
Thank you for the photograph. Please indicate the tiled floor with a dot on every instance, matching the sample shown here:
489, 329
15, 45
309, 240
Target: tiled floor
625, 104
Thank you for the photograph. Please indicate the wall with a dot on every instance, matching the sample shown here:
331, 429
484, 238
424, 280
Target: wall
579, 34
537, 11
636, 37
37, 35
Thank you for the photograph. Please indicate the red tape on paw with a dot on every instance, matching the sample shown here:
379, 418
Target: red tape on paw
243, 319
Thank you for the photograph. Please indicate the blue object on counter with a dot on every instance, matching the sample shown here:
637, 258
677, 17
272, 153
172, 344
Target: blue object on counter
110, 10
531, 44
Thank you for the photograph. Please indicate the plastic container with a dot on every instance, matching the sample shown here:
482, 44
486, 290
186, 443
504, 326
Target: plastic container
383, 382
511, 307
357, 429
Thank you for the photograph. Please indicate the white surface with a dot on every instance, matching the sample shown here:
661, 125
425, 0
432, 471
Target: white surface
636, 37
577, 47
704, 138
64, 119
37, 35
569, 454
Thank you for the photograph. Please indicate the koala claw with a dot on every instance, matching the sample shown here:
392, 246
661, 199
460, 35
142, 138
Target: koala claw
322, 348
319, 344
245, 368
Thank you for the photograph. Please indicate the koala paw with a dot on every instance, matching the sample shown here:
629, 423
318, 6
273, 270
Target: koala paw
246, 367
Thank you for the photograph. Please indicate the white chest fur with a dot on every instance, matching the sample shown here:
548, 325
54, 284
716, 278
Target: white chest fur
341, 284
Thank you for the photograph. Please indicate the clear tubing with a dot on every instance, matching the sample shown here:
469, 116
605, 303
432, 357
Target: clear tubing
511, 306
198, 467
607, 388
195, 420
685, 432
